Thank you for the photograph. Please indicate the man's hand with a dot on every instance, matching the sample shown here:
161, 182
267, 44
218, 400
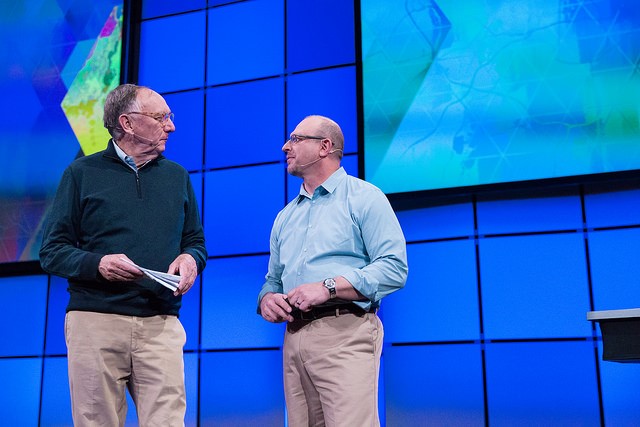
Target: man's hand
114, 269
184, 266
307, 296
275, 308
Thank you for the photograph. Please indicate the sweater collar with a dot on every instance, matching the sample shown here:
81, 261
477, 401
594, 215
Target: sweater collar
114, 151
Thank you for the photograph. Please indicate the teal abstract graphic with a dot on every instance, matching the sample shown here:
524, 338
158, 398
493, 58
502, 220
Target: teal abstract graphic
460, 94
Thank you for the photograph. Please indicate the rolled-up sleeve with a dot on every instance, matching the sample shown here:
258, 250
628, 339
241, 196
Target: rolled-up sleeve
385, 246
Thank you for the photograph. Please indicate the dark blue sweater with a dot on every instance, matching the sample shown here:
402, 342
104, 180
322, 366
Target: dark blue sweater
103, 207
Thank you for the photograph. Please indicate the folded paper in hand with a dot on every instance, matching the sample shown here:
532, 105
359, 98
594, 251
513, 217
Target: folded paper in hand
165, 279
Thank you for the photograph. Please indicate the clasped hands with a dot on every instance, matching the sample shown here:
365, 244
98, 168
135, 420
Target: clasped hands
276, 307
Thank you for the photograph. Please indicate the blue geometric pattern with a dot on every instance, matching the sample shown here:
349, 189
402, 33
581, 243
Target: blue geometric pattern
36, 140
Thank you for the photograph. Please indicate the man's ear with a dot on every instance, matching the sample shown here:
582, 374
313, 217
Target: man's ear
327, 145
125, 123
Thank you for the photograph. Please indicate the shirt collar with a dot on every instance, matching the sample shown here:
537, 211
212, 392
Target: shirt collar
329, 185
332, 182
124, 157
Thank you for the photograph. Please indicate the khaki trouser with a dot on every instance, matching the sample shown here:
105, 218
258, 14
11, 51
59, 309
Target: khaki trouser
331, 368
108, 352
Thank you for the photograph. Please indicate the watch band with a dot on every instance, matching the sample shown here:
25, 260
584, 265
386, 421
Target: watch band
330, 284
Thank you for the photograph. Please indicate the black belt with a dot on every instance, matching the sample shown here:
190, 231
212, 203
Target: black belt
330, 310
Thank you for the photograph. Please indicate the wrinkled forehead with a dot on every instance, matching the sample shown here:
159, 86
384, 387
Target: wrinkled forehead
152, 101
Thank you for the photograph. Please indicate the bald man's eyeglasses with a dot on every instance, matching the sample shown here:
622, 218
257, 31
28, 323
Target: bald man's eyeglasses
294, 139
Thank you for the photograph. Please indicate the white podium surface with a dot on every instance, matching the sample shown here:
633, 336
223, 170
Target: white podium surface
613, 314
620, 334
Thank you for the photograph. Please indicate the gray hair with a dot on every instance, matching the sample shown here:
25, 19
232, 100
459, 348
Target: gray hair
122, 99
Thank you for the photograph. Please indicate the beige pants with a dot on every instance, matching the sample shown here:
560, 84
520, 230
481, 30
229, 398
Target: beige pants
108, 352
331, 368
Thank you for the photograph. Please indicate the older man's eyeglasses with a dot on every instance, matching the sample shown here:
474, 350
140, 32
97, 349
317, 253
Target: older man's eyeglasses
294, 139
162, 118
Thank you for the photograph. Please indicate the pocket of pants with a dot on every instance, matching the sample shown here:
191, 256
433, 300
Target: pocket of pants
66, 329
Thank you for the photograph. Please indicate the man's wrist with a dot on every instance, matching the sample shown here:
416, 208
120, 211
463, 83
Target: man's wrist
330, 285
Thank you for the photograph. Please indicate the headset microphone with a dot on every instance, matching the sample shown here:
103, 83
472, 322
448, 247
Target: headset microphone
150, 142
319, 158
310, 163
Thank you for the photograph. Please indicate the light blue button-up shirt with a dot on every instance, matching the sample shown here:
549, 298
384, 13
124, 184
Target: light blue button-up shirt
345, 228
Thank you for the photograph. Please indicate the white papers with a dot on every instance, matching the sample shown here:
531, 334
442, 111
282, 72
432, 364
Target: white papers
165, 279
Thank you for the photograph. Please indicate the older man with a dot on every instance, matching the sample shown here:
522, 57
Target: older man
126, 205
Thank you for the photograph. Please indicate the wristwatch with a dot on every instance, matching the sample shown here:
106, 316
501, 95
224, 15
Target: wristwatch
331, 285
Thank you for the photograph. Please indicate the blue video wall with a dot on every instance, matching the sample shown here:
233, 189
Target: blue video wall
498, 91
491, 327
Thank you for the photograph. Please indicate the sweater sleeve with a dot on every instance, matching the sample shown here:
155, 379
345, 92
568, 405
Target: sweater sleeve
59, 253
193, 234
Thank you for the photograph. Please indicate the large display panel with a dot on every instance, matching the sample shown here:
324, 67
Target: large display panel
242, 388
434, 385
459, 95
534, 286
54, 85
541, 384
440, 298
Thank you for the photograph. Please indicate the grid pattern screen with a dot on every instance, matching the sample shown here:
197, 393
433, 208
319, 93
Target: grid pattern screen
491, 327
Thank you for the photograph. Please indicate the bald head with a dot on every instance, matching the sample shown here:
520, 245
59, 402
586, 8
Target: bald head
329, 129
